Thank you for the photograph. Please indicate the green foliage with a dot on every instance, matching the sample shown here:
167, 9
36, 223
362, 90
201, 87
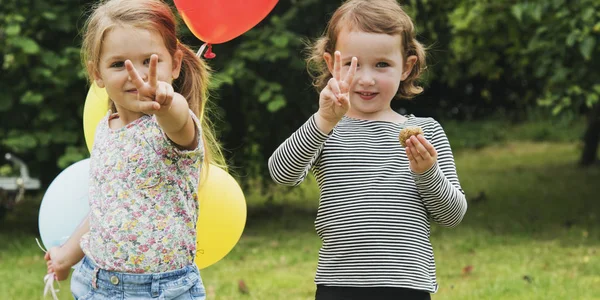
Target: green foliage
550, 47
484, 56
41, 82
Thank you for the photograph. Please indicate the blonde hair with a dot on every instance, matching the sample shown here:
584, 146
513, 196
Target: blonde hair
372, 16
157, 16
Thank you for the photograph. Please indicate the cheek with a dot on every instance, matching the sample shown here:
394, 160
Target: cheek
390, 82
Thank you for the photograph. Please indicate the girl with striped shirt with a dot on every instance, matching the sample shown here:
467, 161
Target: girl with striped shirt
376, 197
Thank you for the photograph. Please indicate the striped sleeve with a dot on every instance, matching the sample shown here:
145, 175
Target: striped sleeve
293, 159
439, 186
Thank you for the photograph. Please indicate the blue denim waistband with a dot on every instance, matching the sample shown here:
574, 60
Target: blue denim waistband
134, 281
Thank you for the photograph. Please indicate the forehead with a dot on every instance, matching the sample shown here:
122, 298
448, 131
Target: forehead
129, 40
360, 43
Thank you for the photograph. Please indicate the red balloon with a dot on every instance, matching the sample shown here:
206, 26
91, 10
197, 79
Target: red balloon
219, 21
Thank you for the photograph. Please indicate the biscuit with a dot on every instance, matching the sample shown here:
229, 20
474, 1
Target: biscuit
407, 132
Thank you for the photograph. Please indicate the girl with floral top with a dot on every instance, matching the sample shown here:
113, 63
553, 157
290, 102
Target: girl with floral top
139, 240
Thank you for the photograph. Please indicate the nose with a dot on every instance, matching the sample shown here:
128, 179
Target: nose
365, 77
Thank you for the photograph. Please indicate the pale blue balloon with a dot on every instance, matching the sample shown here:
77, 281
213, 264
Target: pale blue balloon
65, 204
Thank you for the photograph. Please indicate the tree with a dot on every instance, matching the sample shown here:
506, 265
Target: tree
545, 51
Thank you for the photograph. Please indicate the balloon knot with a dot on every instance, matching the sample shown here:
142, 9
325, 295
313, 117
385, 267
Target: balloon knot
209, 54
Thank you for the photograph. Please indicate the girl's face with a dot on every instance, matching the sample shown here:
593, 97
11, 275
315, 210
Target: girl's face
380, 69
136, 45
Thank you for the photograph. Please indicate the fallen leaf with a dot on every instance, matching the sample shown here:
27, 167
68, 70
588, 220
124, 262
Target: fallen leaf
467, 270
242, 287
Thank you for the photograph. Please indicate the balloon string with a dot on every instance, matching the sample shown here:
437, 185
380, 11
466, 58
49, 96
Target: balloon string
209, 54
49, 278
40, 245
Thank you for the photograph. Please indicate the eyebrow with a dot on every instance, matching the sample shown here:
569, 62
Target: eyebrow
119, 57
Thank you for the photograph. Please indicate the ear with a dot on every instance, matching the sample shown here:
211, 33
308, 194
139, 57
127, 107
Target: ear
408, 66
95, 74
177, 61
329, 60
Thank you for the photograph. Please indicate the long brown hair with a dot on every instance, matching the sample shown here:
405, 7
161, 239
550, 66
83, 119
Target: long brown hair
372, 16
157, 16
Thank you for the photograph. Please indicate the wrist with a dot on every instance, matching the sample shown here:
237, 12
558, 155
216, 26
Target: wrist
325, 124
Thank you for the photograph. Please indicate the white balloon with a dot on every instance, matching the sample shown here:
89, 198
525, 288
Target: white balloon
65, 204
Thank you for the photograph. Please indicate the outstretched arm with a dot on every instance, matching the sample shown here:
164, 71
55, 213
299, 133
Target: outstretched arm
171, 109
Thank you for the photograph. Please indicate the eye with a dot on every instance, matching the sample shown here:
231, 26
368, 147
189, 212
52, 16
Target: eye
117, 64
147, 61
382, 65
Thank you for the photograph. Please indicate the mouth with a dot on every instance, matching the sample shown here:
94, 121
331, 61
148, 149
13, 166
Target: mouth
132, 91
367, 95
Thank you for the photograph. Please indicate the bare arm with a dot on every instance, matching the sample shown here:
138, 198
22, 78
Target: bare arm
177, 123
61, 259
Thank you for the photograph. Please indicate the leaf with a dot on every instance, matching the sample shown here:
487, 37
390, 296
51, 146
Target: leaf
242, 287
12, 30
32, 98
556, 110
277, 103
467, 270
572, 37
264, 96
587, 47
28, 45
591, 99
279, 41
517, 12
49, 15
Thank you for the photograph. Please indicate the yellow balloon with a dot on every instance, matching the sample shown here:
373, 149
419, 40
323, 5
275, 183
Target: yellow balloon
222, 206
221, 218
95, 108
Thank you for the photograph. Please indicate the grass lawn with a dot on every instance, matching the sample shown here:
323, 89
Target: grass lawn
532, 231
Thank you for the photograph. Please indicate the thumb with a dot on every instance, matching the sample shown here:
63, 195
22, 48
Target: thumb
47, 256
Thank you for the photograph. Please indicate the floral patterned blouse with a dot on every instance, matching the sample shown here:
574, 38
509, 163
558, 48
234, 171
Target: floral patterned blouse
143, 198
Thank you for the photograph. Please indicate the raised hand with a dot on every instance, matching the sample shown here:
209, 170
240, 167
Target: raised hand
421, 154
334, 99
153, 96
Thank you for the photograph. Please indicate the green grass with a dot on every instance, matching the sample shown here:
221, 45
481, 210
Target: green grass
532, 231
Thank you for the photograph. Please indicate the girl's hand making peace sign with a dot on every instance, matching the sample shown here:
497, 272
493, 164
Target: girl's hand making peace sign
334, 99
154, 96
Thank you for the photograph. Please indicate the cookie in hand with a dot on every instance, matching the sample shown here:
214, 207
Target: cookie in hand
407, 132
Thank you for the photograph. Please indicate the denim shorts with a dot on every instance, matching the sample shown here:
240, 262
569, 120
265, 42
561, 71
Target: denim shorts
90, 282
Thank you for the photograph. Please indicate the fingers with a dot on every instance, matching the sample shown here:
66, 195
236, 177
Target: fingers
134, 75
152, 76
417, 155
334, 87
147, 106
334, 90
421, 153
164, 94
427, 145
350, 75
337, 65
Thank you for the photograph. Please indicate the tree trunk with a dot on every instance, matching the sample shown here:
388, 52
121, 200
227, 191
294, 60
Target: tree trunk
591, 137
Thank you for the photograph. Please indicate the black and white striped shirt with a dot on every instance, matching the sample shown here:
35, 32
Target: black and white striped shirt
373, 216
